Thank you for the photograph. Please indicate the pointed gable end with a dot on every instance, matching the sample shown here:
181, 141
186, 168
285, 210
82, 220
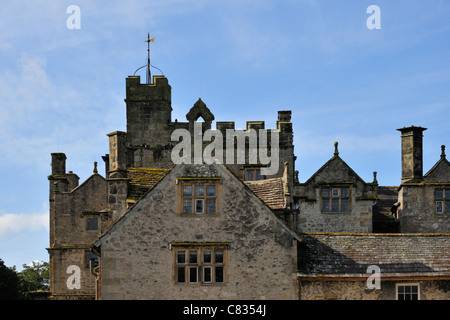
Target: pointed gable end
190, 173
199, 110
440, 173
335, 170
199, 225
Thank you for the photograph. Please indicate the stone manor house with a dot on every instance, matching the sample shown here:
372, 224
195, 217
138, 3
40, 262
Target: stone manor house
149, 228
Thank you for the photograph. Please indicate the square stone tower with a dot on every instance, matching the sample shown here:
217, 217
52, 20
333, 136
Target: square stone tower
149, 114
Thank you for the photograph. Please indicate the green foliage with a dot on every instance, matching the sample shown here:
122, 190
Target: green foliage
33, 278
16, 285
9, 283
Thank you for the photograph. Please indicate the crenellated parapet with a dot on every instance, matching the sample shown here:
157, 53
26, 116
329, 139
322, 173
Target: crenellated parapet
158, 90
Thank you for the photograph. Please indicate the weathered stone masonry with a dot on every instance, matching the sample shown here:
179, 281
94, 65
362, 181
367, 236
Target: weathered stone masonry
281, 238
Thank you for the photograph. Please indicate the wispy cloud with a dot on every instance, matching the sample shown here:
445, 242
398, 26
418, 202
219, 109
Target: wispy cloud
49, 116
23, 222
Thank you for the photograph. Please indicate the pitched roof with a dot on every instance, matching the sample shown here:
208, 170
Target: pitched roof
436, 172
329, 162
397, 255
141, 180
88, 181
140, 174
270, 191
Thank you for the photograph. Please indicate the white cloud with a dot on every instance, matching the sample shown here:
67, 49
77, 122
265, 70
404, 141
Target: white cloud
34, 263
22, 222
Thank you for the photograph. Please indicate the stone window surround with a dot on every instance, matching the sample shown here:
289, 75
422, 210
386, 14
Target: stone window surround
92, 224
200, 265
181, 182
332, 186
92, 215
444, 200
397, 285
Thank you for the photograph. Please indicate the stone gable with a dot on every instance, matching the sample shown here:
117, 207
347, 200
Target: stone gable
137, 254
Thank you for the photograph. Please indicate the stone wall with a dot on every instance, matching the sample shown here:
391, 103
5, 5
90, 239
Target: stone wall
358, 219
61, 260
358, 290
70, 239
418, 209
335, 174
150, 127
137, 259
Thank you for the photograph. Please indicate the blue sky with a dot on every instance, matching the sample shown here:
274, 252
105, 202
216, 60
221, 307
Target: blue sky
62, 90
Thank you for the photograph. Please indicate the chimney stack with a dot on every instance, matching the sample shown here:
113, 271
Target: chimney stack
58, 164
412, 153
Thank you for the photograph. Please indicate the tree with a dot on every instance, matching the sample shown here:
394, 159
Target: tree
16, 285
33, 278
9, 283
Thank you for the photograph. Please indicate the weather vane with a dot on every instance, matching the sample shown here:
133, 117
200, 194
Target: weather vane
148, 65
148, 73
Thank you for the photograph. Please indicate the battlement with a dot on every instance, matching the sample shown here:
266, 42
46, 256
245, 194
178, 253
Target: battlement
284, 116
158, 90
283, 126
223, 126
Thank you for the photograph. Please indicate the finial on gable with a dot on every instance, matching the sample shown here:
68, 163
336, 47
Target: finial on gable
95, 167
336, 151
375, 177
443, 152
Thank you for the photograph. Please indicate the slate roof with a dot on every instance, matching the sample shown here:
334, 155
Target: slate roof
141, 180
270, 191
328, 255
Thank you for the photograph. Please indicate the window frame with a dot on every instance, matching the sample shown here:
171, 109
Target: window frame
255, 171
200, 265
205, 199
397, 285
444, 200
335, 193
92, 219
